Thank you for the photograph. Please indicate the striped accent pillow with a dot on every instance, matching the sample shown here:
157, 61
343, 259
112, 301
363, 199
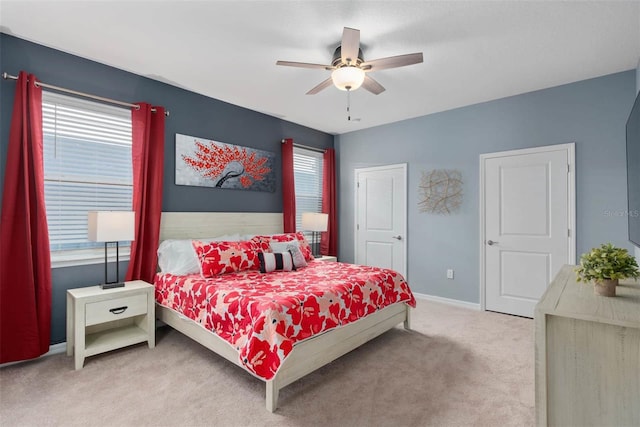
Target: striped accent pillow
270, 261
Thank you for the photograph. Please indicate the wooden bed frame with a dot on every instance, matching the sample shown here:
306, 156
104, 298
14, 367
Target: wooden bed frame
306, 356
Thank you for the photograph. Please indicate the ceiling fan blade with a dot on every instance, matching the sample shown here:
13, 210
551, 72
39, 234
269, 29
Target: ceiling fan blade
304, 65
325, 84
350, 45
392, 62
372, 86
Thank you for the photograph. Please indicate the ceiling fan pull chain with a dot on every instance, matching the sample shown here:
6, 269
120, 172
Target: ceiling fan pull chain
348, 105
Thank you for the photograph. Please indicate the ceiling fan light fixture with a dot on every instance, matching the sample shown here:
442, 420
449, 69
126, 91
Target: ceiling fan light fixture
347, 78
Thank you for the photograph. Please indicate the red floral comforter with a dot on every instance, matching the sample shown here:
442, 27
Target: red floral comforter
263, 315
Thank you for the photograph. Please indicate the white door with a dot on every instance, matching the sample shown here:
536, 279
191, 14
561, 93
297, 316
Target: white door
381, 217
527, 214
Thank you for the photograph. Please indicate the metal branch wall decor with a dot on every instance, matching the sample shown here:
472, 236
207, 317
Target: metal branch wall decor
440, 191
206, 163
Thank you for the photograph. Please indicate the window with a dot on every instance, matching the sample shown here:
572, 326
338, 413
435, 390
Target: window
87, 166
307, 169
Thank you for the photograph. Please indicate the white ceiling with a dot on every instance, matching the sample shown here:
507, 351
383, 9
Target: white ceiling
474, 51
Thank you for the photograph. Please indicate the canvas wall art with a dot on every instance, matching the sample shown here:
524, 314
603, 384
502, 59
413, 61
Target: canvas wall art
440, 191
205, 163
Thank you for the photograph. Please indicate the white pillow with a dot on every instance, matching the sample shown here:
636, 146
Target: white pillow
177, 256
293, 247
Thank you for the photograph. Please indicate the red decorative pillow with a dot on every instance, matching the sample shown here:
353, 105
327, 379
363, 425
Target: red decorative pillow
225, 257
305, 248
287, 237
261, 243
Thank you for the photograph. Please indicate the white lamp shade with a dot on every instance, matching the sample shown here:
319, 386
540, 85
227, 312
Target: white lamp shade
347, 78
312, 221
111, 226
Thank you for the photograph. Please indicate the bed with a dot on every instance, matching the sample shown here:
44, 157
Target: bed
278, 326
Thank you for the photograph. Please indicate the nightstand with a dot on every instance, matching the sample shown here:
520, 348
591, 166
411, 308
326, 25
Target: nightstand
327, 258
100, 320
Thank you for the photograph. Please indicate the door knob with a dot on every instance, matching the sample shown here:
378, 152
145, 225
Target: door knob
397, 237
491, 242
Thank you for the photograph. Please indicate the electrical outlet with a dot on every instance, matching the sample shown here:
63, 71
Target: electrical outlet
450, 273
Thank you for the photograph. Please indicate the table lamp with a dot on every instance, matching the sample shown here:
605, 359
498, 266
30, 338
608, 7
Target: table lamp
316, 223
111, 227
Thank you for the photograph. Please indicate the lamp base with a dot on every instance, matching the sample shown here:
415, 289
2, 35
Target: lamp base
116, 283
112, 285
315, 248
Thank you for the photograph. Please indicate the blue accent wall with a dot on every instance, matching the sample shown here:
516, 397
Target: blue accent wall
591, 113
637, 249
191, 114
638, 77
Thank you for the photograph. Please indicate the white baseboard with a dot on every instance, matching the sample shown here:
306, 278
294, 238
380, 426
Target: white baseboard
56, 349
53, 349
456, 302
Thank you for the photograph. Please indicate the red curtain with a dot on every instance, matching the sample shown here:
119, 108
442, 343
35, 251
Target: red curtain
25, 264
148, 166
288, 187
329, 239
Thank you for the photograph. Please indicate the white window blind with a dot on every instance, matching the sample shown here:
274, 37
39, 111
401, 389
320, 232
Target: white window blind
87, 165
307, 169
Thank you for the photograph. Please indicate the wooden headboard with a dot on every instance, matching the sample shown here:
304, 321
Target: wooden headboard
186, 225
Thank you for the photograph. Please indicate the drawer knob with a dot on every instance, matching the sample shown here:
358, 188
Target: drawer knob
119, 310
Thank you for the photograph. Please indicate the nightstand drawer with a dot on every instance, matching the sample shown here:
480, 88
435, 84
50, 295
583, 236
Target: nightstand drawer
114, 309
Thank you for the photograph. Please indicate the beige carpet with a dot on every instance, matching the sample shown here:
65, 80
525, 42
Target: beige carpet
458, 367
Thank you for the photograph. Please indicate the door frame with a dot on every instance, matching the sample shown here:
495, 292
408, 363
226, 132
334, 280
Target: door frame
356, 171
571, 220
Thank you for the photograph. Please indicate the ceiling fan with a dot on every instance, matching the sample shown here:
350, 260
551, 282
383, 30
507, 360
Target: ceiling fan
349, 67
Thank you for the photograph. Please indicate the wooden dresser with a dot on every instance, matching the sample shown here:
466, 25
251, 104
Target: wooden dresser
587, 351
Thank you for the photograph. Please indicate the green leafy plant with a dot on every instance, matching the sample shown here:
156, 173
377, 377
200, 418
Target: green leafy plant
607, 262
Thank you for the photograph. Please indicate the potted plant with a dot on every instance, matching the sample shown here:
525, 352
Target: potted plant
604, 266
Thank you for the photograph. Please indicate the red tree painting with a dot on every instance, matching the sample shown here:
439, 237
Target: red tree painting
221, 162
